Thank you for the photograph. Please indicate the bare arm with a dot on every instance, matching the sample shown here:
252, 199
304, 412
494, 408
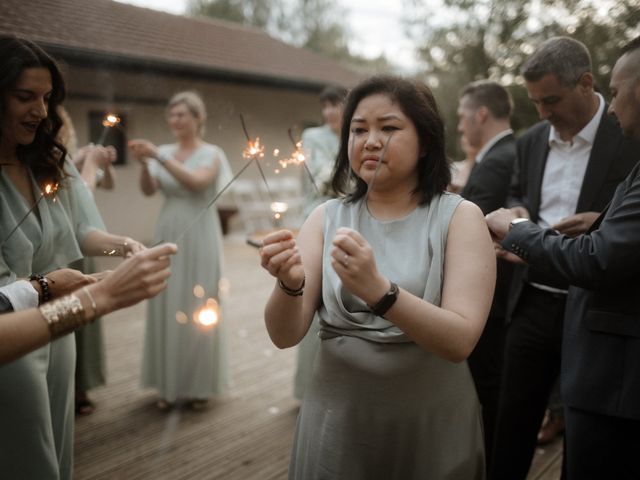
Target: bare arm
288, 318
194, 180
98, 243
108, 181
142, 276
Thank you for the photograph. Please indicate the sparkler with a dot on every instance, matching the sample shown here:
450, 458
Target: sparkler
50, 190
278, 208
299, 158
110, 120
254, 151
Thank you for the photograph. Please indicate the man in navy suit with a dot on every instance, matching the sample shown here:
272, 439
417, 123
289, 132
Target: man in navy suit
601, 347
567, 168
484, 114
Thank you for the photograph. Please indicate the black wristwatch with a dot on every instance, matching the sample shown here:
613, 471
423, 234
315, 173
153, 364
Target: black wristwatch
386, 302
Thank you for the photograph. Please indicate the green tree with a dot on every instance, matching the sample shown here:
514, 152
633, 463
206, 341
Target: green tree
474, 39
317, 25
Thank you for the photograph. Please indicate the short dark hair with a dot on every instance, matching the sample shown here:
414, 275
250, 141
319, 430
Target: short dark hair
416, 102
489, 94
564, 57
45, 155
333, 94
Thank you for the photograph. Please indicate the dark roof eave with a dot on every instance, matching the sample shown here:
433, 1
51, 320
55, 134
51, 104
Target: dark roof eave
82, 57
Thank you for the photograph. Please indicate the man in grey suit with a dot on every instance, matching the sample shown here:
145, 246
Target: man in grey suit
601, 346
484, 113
567, 169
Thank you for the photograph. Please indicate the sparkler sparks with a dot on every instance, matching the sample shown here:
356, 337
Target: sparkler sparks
298, 157
110, 120
208, 316
48, 191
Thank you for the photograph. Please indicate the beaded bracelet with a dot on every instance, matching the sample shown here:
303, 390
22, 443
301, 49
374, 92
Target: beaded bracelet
291, 292
44, 286
64, 315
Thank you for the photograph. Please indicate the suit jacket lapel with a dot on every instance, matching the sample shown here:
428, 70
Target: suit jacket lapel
603, 152
539, 154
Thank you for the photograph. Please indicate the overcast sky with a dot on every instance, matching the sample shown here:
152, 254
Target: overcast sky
375, 27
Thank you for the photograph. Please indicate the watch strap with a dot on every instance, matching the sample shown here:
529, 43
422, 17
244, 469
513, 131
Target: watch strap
386, 302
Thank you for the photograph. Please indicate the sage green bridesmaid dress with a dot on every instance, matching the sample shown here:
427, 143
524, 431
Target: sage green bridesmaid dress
37, 390
181, 359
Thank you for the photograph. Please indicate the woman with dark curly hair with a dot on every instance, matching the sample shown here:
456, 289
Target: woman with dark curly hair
391, 396
40, 233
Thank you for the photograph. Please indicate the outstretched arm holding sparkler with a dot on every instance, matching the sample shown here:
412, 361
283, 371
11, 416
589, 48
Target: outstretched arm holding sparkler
195, 180
137, 278
297, 294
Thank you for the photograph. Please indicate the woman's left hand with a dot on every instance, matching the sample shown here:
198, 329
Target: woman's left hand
353, 260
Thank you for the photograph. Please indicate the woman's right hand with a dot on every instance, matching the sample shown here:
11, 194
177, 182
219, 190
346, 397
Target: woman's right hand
279, 255
141, 276
143, 150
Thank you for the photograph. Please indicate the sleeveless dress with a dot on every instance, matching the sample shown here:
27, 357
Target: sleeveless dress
378, 406
182, 360
37, 390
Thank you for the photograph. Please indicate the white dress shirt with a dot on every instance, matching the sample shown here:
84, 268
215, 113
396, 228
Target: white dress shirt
564, 171
21, 295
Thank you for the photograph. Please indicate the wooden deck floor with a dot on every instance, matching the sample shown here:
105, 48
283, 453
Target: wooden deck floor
243, 435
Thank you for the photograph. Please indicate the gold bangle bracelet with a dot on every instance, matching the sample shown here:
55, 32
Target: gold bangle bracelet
64, 315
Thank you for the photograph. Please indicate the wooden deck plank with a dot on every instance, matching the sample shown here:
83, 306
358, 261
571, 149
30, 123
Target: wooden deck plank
245, 434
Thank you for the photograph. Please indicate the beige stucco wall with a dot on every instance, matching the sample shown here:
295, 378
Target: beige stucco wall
269, 112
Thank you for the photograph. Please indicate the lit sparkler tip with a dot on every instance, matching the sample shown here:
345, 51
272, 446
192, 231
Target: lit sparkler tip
50, 189
110, 120
254, 149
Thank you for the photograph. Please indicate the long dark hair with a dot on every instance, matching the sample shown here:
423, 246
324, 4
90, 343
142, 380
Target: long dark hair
45, 155
416, 102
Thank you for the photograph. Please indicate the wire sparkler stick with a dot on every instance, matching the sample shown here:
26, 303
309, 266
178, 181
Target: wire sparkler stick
254, 151
211, 202
300, 157
49, 190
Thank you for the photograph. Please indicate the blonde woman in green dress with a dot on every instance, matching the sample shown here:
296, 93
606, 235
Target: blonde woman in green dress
182, 360
391, 396
40, 234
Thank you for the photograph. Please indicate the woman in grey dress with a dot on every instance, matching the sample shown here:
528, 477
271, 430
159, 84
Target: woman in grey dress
391, 396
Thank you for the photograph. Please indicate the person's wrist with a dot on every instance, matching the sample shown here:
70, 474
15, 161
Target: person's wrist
382, 305
517, 221
36, 286
44, 294
162, 157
